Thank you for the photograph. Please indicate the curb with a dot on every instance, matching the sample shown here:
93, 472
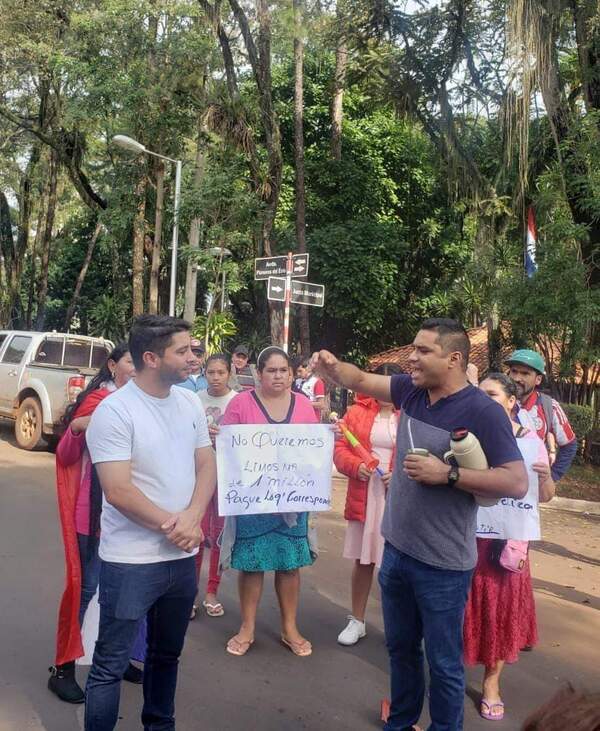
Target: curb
571, 504
586, 507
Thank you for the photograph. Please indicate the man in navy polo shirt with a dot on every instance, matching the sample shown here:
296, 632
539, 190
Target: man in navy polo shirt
430, 515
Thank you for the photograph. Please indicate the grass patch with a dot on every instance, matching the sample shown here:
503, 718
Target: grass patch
581, 482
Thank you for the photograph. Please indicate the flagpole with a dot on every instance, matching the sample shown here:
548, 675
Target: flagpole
530, 253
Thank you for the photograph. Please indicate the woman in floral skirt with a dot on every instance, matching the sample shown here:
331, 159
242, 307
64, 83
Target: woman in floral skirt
500, 613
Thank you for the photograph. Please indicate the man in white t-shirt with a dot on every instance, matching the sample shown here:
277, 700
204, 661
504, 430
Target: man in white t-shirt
150, 446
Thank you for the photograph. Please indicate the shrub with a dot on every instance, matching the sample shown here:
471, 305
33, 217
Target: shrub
582, 421
221, 326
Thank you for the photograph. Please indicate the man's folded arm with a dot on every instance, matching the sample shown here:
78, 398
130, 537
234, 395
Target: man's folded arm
119, 491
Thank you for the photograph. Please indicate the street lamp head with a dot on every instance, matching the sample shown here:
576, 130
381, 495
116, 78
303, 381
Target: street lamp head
128, 143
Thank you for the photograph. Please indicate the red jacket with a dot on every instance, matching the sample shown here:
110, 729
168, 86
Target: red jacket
359, 419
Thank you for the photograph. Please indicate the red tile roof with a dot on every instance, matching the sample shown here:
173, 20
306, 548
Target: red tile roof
479, 352
480, 355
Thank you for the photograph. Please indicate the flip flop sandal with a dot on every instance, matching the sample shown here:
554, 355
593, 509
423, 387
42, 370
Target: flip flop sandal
238, 647
489, 715
301, 649
213, 610
194, 612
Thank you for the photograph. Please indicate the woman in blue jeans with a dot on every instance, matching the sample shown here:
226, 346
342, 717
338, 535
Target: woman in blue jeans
80, 503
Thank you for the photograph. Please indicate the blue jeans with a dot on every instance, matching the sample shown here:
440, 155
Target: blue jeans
90, 576
164, 591
90, 570
421, 602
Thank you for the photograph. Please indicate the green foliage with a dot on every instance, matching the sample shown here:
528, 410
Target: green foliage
360, 262
223, 202
104, 278
108, 319
382, 237
411, 222
255, 340
554, 305
215, 329
581, 419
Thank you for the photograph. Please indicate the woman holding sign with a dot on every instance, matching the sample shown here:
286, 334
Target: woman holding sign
279, 542
500, 613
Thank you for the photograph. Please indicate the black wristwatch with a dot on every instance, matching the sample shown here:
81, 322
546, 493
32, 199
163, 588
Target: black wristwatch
453, 476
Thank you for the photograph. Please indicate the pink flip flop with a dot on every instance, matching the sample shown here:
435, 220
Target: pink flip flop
301, 648
238, 647
213, 610
488, 714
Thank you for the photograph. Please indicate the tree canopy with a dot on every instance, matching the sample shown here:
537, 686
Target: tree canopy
401, 145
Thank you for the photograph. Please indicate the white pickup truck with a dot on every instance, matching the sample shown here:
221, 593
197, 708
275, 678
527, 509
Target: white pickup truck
40, 374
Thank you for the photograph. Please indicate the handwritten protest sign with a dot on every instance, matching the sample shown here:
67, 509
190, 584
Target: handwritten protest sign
274, 468
512, 518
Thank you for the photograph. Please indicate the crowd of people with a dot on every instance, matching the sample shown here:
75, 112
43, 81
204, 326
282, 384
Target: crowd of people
137, 478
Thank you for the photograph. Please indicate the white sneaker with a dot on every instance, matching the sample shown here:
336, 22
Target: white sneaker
353, 632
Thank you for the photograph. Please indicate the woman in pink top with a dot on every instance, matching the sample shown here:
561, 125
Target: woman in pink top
277, 542
80, 504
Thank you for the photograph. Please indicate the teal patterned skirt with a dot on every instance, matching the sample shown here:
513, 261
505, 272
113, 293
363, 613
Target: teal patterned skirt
267, 543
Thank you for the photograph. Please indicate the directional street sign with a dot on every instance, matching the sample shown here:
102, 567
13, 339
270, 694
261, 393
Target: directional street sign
276, 266
279, 270
307, 293
276, 289
271, 266
300, 265
303, 293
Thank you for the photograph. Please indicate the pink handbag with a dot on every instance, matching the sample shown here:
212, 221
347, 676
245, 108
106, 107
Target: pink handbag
514, 556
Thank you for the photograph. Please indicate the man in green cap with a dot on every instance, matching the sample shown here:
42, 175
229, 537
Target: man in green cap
527, 369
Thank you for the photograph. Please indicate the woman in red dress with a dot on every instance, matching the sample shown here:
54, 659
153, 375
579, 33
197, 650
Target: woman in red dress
79, 504
500, 613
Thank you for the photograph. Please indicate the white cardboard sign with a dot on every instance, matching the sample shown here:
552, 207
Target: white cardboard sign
510, 518
274, 468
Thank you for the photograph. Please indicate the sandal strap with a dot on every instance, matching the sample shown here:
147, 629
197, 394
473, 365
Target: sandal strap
240, 643
492, 704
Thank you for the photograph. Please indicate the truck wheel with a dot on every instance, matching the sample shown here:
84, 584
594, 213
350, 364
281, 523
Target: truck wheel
28, 426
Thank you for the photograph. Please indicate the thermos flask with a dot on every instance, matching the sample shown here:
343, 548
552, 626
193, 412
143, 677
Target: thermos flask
467, 451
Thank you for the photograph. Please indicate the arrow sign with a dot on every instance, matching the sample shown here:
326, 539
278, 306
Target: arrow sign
276, 289
300, 265
276, 266
303, 293
307, 293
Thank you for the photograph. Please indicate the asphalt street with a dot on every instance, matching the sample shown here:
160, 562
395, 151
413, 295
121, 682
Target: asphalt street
270, 689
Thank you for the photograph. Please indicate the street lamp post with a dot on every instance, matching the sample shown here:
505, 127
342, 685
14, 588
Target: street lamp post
175, 239
128, 143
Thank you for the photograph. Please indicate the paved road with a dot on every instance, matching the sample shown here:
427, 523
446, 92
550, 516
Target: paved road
270, 689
